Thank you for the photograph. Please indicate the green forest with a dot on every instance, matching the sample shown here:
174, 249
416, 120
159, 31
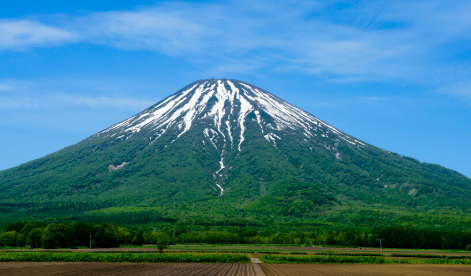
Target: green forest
103, 235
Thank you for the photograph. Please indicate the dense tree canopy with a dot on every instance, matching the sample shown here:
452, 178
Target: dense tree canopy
77, 234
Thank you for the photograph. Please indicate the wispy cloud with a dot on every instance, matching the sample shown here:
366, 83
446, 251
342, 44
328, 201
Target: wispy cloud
363, 101
21, 34
100, 101
6, 88
50, 100
160, 29
17, 103
375, 99
338, 41
461, 90
48, 94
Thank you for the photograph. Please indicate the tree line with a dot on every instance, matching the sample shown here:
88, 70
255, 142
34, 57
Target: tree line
68, 235
77, 234
398, 237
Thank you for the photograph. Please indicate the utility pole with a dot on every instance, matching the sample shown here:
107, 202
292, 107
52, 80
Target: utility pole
90, 243
381, 244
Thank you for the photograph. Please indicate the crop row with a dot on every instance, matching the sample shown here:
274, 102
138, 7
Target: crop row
322, 260
49, 251
429, 261
138, 258
394, 255
358, 260
348, 254
429, 256
193, 251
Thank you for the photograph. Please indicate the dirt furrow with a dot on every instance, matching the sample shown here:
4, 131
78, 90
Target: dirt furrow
104, 271
180, 269
369, 269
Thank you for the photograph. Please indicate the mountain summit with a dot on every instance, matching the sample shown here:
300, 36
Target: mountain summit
226, 108
228, 150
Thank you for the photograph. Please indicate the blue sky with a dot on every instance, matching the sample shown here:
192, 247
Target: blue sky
395, 74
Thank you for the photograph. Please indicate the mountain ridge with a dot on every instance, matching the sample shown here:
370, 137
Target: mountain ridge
195, 98
229, 146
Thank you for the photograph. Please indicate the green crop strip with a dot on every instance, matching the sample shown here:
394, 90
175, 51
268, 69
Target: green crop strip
133, 258
349, 254
322, 260
428, 261
430, 256
193, 251
357, 260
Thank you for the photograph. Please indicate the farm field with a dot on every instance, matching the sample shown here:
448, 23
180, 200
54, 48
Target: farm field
375, 250
287, 249
360, 269
312, 249
125, 269
266, 249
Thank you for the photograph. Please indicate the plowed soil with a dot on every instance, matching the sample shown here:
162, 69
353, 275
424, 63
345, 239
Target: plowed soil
361, 269
124, 269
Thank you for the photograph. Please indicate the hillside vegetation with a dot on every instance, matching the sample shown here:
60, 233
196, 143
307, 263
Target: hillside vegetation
302, 175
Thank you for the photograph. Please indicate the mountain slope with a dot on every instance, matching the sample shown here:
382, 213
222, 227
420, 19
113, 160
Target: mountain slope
225, 149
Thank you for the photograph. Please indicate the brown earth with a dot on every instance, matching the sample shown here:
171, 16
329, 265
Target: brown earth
124, 269
364, 269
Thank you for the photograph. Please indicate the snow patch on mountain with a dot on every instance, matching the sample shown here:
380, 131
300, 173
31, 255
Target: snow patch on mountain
222, 106
223, 98
245, 108
271, 137
211, 134
259, 120
112, 167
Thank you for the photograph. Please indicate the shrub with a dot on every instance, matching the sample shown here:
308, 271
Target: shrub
9, 238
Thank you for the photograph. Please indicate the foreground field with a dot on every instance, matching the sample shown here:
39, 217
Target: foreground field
125, 269
240, 269
359, 269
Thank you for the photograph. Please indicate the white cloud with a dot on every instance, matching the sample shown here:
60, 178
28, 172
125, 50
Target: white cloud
6, 88
433, 20
17, 103
363, 101
73, 100
390, 41
153, 29
21, 34
374, 43
49, 94
100, 101
461, 90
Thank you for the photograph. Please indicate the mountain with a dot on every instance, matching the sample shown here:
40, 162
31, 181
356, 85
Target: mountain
225, 152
